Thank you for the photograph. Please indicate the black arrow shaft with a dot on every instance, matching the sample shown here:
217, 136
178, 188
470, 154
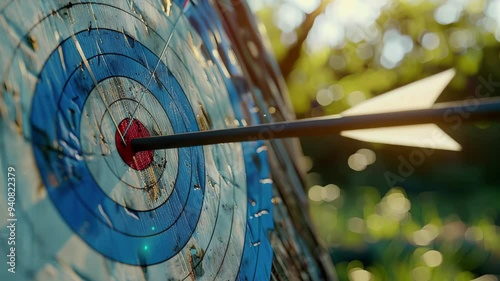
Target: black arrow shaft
442, 114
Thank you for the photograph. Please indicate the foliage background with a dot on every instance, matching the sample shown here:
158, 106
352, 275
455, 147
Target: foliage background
440, 220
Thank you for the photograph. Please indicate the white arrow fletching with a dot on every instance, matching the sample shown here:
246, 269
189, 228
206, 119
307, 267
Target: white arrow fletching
422, 135
418, 95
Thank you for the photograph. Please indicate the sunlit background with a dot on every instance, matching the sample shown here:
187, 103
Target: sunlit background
392, 212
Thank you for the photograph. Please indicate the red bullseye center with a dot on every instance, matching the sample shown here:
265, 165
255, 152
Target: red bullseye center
136, 160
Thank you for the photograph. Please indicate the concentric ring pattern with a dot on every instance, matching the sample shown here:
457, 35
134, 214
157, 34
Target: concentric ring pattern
79, 80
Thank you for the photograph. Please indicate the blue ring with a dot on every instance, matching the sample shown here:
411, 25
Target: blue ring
69, 183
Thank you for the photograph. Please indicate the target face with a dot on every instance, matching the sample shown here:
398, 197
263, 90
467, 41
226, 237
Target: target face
80, 81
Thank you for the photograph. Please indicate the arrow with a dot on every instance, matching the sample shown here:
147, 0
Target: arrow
484, 109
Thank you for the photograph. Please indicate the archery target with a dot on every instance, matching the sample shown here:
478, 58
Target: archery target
80, 80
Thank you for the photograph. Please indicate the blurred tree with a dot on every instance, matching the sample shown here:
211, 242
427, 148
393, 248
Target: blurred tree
346, 47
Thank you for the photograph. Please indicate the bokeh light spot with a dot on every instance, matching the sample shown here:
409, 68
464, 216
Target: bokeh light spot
432, 258
337, 92
421, 273
356, 225
288, 17
357, 162
355, 97
330, 192
430, 41
324, 97
426, 235
474, 234
358, 274
448, 13
315, 193
369, 155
